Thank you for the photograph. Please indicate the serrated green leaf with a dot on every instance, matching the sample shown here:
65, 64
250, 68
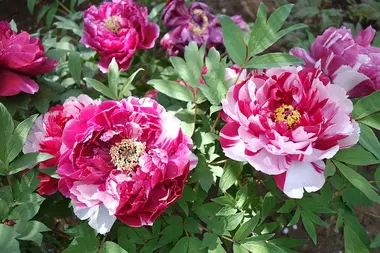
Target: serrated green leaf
247, 228
272, 60
172, 89
100, 87
233, 40
232, 171
358, 181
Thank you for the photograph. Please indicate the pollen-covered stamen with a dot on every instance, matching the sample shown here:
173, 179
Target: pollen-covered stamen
125, 154
113, 24
195, 27
287, 113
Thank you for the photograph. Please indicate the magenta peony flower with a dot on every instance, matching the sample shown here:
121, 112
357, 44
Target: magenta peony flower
195, 23
21, 57
284, 122
116, 30
127, 160
351, 63
46, 137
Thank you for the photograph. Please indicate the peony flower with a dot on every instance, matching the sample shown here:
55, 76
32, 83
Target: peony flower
21, 57
46, 137
195, 23
351, 63
126, 160
116, 30
284, 122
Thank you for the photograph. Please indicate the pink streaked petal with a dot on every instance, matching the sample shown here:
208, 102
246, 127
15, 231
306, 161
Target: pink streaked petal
12, 83
348, 78
231, 142
267, 163
304, 55
352, 139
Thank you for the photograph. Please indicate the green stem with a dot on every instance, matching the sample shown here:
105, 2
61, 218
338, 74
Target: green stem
63, 7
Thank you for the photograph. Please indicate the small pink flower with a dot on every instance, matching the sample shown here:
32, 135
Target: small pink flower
126, 160
21, 57
284, 122
195, 23
351, 63
46, 137
116, 30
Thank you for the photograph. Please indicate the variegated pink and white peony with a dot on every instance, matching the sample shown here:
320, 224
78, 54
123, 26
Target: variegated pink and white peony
125, 160
284, 122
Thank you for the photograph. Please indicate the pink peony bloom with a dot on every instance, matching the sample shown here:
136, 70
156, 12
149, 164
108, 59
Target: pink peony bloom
126, 160
351, 63
46, 137
21, 57
195, 23
284, 122
116, 30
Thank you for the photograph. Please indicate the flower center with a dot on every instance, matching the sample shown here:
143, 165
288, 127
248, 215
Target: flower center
286, 113
112, 24
197, 28
125, 154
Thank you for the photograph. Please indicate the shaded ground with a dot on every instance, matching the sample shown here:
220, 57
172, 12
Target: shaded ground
328, 240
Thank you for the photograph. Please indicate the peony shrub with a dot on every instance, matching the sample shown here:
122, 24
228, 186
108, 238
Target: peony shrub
174, 128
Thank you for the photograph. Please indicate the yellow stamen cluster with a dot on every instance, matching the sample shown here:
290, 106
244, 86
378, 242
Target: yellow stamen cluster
112, 24
125, 154
195, 28
286, 113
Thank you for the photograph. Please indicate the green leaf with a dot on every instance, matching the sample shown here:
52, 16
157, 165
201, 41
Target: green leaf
232, 171
8, 242
6, 129
234, 221
330, 169
13, 25
358, 181
27, 161
375, 243
31, 4
287, 242
372, 120
203, 174
278, 17
31, 231
187, 121
42, 12
194, 245
272, 60
262, 247
309, 227
75, 67
268, 205
191, 225
260, 23
356, 155
173, 89
215, 89
194, 63
352, 242
100, 87
210, 241
366, 106
233, 40
113, 77
25, 212
51, 13
313, 217
239, 249
287, 207
18, 139
247, 228
369, 140
149, 247
181, 246
111, 247
296, 217
128, 82
168, 236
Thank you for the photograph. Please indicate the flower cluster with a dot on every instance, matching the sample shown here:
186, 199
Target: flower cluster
21, 57
284, 122
116, 30
195, 23
349, 62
